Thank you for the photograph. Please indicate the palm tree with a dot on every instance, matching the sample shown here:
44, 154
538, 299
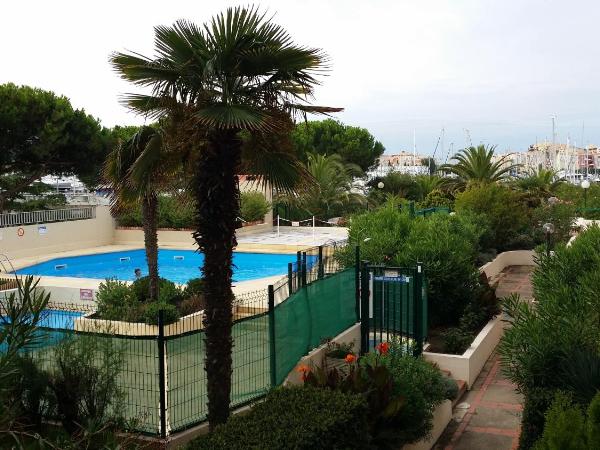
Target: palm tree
331, 189
476, 165
239, 73
541, 182
136, 170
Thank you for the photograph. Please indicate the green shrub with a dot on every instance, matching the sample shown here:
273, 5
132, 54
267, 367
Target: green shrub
561, 215
173, 212
168, 292
195, 286
537, 401
568, 428
437, 198
456, 340
253, 206
553, 345
295, 418
420, 384
150, 312
114, 299
504, 210
445, 244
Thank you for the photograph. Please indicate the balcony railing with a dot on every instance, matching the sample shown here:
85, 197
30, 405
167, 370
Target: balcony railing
47, 216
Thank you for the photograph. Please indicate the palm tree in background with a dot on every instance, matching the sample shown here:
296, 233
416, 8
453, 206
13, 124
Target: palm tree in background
238, 74
138, 169
330, 191
476, 165
541, 182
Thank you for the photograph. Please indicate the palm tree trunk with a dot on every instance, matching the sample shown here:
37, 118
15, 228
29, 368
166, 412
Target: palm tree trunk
217, 207
150, 219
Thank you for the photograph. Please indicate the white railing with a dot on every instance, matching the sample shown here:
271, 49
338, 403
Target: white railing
51, 215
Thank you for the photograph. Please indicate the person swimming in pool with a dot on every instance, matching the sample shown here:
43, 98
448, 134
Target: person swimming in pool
138, 273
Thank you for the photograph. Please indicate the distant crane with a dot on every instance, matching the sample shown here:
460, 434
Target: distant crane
468, 138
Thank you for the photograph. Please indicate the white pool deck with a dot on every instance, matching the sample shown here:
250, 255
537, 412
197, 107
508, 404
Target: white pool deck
287, 240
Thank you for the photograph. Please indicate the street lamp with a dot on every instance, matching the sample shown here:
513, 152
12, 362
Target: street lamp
585, 185
548, 229
552, 201
380, 185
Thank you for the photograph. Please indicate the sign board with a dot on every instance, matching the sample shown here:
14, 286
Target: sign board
398, 279
295, 224
42, 229
86, 294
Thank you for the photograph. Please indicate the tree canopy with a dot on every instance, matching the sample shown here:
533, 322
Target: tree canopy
327, 137
41, 134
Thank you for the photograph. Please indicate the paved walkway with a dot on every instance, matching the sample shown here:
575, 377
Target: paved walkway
489, 415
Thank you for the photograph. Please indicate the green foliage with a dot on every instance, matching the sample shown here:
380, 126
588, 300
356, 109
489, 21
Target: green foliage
422, 387
568, 428
554, 344
329, 194
168, 291
253, 206
503, 210
302, 418
437, 197
475, 166
85, 382
118, 300
574, 195
561, 215
41, 134
328, 137
456, 340
446, 245
173, 212
195, 286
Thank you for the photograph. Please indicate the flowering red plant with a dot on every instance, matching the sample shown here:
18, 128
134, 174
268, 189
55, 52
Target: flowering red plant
304, 371
350, 358
383, 348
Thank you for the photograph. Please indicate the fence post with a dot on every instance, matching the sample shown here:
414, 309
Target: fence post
364, 308
161, 373
357, 280
418, 309
411, 209
303, 268
290, 281
321, 272
272, 354
298, 270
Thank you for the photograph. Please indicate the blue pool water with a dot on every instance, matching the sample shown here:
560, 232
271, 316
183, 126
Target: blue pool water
176, 265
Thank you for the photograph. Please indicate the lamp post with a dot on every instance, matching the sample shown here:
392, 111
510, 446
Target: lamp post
380, 185
585, 185
548, 229
552, 201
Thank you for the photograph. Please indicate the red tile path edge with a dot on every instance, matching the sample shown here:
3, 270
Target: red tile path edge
478, 401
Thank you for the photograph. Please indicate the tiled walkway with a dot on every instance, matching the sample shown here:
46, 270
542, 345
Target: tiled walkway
489, 415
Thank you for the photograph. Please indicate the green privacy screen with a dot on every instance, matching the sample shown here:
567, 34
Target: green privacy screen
317, 311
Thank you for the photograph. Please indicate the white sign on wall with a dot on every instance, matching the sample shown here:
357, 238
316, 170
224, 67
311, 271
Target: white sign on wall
86, 294
42, 229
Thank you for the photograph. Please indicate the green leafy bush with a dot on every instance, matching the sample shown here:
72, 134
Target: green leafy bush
435, 198
445, 244
568, 428
419, 383
554, 345
302, 418
561, 215
253, 206
456, 340
118, 300
173, 212
504, 210
168, 291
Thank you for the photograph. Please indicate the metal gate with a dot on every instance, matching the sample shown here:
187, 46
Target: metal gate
393, 307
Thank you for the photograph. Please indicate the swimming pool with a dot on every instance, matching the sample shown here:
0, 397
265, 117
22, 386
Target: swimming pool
176, 265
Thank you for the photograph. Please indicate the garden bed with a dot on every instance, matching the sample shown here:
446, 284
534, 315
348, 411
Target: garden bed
467, 366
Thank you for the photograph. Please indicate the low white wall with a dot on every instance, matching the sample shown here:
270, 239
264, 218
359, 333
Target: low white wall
505, 259
315, 358
135, 236
441, 418
467, 366
59, 236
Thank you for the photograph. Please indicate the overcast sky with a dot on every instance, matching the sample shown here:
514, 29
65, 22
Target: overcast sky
500, 69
